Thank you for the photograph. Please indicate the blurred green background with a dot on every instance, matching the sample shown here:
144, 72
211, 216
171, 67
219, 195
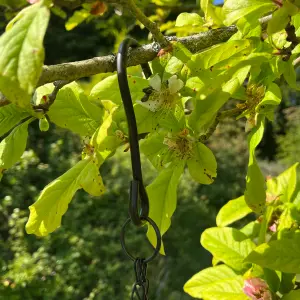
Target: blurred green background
83, 259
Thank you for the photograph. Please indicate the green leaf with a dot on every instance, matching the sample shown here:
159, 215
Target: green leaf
272, 278
73, 110
281, 255
264, 224
206, 110
235, 9
155, 150
202, 165
189, 19
46, 213
251, 230
228, 245
284, 185
279, 21
13, 146
271, 99
211, 12
219, 53
296, 23
105, 139
10, 116
108, 89
22, 55
216, 283
255, 193
287, 282
293, 295
173, 67
232, 211
162, 193
78, 17
289, 74
286, 220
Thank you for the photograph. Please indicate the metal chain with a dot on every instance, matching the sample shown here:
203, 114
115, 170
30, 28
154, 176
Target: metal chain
141, 286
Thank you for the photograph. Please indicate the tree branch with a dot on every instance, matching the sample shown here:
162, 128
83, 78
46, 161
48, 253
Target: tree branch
104, 64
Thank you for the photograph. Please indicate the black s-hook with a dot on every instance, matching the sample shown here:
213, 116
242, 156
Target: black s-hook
137, 189
139, 202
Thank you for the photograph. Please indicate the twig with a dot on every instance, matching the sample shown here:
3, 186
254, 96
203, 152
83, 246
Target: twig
151, 26
220, 116
51, 97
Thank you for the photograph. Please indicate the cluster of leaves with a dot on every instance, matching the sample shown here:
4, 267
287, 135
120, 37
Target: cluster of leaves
176, 110
266, 248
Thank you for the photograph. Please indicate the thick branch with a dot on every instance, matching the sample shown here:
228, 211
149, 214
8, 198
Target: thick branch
85, 68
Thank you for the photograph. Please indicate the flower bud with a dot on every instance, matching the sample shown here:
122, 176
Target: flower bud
257, 289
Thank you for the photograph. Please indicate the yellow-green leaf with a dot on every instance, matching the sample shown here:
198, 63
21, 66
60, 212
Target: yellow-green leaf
162, 193
46, 213
233, 211
73, 110
13, 146
255, 193
216, 283
22, 55
202, 165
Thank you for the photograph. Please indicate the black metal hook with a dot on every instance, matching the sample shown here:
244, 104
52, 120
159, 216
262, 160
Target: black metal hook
137, 188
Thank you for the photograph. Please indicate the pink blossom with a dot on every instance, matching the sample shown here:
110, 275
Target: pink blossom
257, 289
273, 227
33, 1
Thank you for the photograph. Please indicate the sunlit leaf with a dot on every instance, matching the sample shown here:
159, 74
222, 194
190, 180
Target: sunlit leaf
284, 185
162, 193
228, 245
13, 146
282, 255
73, 110
22, 55
235, 9
220, 282
232, 211
46, 213
255, 193
10, 116
189, 19
202, 165
108, 89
